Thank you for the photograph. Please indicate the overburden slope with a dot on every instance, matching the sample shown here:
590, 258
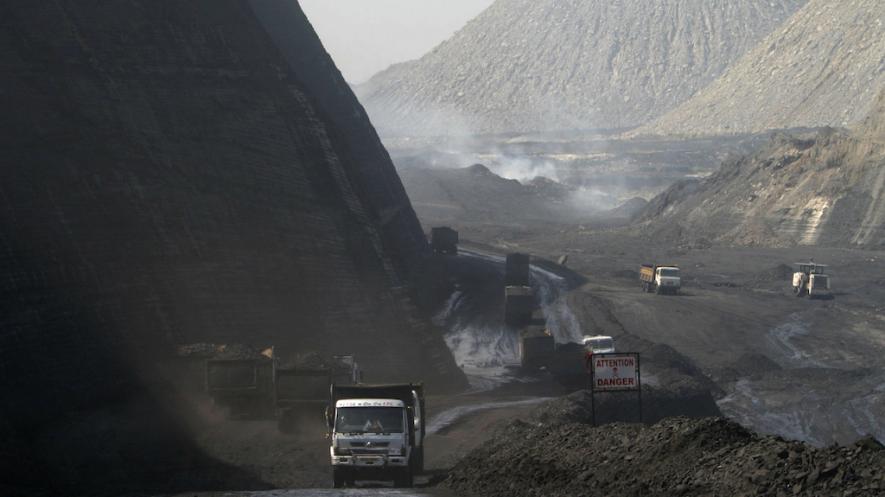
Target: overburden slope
169, 176
827, 189
528, 65
823, 67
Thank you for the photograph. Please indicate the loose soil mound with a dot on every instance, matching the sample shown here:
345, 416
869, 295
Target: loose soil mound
678, 456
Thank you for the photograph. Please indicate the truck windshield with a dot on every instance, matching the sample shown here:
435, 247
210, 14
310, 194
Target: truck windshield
601, 344
369, 420
670, 273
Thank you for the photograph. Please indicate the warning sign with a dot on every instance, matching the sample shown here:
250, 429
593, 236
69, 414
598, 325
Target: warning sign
615, 371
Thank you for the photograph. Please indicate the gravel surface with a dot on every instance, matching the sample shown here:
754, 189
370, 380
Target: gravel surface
678, 456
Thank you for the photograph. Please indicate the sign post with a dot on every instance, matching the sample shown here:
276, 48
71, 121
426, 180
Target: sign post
614, 372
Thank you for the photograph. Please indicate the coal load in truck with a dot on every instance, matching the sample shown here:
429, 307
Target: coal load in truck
444, 240
516, 270
237, 377
301, 384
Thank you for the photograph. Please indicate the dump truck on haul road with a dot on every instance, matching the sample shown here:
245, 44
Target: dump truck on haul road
519, 303
536, 347
811, 279
517, 269
376, 433
660, 279
444, 240
599, 344
301, 385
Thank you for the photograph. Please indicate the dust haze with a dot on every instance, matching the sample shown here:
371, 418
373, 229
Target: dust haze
428, 248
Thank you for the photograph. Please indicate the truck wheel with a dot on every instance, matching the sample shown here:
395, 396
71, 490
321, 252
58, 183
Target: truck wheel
338, 478
658, 290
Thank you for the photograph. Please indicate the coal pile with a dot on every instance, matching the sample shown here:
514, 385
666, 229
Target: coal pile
679, 456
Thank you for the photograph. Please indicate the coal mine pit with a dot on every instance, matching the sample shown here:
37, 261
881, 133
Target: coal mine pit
572, 249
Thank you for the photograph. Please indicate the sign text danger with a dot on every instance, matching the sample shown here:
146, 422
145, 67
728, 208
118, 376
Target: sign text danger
615, 372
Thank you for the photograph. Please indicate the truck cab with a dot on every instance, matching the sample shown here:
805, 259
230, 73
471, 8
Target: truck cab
599, 344
376, 433
811, 279
667, 278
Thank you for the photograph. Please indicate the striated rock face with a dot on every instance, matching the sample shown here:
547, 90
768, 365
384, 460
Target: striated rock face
168, 176
824, 67
826, 190
528, 65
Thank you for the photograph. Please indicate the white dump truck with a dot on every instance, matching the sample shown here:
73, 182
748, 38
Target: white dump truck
377, 433
660, 279
811, 279
599, 344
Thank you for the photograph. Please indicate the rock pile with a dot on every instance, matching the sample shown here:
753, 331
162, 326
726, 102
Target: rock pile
823, 67
825, 189
684, 457
530, 65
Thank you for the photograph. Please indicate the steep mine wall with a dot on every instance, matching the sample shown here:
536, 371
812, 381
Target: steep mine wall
169, 177
355, 140
826, 189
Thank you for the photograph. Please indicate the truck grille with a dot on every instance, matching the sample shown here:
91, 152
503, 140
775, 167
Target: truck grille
368, 452
370, 445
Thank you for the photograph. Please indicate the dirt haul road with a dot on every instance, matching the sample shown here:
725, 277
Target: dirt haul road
804, 369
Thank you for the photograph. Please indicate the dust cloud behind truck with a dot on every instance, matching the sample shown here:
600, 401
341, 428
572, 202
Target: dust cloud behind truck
376, 432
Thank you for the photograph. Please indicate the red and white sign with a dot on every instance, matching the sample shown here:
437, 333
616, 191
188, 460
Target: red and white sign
615, 371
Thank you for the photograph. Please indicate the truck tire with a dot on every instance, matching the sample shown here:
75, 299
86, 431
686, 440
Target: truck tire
658, 290
338, 478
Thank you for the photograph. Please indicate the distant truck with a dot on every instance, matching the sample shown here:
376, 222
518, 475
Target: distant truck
516, 269
536, 347
660, 279
811, 279
444, 240
376, 432
242, 385
519, 303
300, 386
599, 344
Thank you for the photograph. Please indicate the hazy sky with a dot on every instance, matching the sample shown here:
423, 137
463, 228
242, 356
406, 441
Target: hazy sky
366, 36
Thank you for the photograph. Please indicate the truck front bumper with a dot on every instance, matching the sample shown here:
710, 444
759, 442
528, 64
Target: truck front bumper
370, 461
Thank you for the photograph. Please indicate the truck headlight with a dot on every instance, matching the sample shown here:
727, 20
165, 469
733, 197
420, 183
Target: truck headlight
340, 451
